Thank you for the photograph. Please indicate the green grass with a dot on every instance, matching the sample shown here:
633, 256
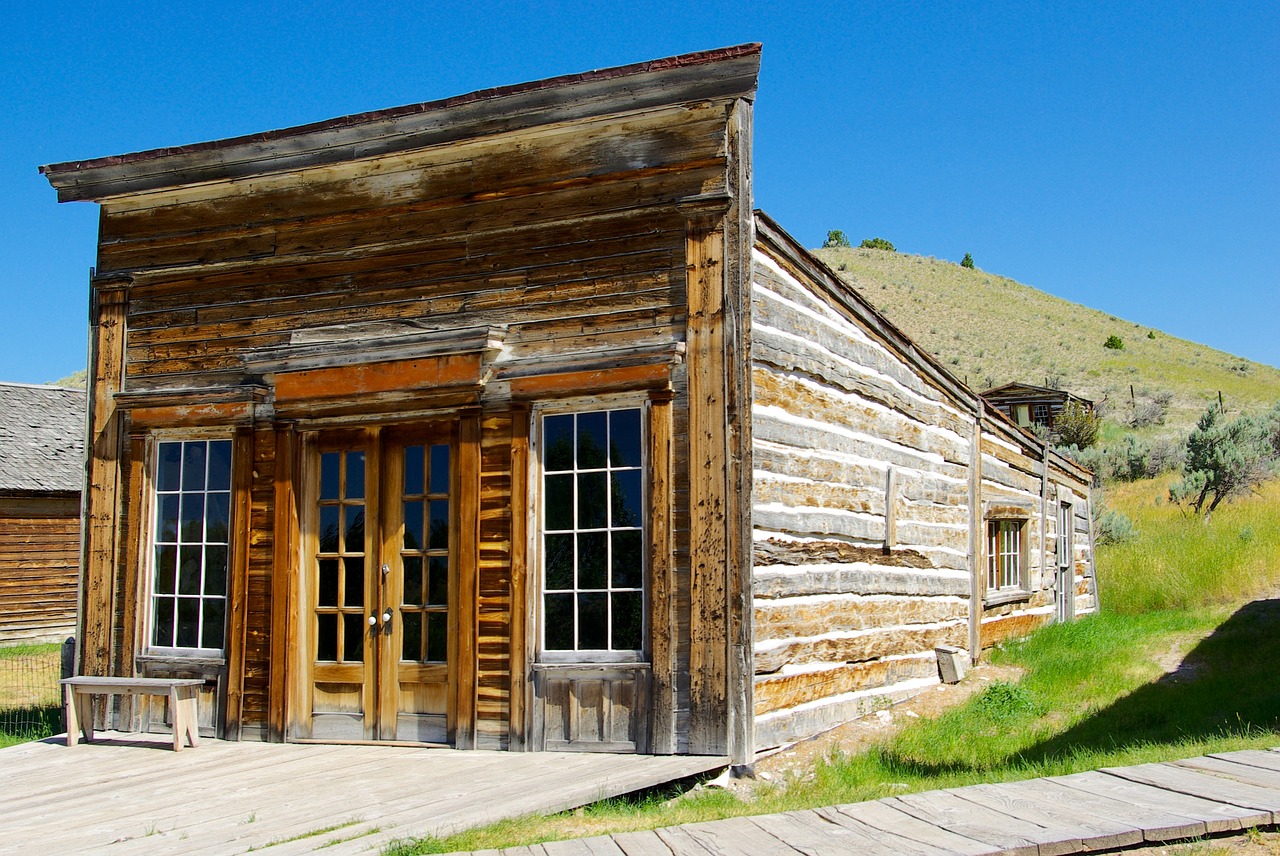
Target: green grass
989, 330
29, 693
1095, 693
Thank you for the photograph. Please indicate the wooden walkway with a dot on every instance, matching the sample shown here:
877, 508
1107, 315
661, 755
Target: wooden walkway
132, 794
1103, 810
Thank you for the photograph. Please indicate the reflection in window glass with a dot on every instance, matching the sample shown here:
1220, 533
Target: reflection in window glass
593, 531
191, 535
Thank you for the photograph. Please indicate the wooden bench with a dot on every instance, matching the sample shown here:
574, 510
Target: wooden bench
183, 695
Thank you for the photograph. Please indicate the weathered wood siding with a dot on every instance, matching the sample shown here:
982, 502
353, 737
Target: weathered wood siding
570, 242
860, 512
39, 568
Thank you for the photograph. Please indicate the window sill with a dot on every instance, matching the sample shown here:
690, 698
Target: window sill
1000, 598
179, 658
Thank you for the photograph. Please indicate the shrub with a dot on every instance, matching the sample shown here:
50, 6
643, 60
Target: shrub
1114, 342
836, 238
967, 261
1076, 425
1151, 334
877, 244
1224, 459
1109, 525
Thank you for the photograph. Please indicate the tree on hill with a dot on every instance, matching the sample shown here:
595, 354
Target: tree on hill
836, 238
967, 261
877, 244
1224, 459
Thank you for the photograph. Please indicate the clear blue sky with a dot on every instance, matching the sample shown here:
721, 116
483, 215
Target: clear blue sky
1122, 155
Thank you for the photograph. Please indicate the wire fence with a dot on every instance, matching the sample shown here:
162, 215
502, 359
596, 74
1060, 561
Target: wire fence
30, 695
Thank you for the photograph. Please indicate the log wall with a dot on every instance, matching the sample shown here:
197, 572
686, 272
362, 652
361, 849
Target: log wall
39, 568
870, 501
860, 511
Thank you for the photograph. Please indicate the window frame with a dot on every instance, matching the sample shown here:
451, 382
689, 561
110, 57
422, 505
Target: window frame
150, 511
995, 595
594, 404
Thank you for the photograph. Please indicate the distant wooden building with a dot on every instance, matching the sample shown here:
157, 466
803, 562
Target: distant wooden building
41, 475
1030, 406
504, 422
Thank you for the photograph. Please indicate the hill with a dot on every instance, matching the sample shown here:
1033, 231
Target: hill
990, 330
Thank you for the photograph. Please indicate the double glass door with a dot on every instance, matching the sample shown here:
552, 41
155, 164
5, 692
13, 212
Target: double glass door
379, 538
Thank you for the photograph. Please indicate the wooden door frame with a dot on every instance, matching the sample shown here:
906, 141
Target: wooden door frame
301, 483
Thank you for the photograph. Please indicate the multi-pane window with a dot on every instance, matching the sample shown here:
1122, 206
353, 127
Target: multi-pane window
191, 539
340, 558
1040, 413
424, 555
593, 531
1004, 554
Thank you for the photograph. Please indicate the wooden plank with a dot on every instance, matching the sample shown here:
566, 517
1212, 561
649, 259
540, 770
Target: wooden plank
283, 580
662, 584
643, 843
1013, 836
238, 588
106, 371
468, 493
1090, 831
812, 832
1240, 770
1152, 824
1266, 759
1186, 781
133, 589
1203, 816
917, 835
520, 605
733, 835
709, 630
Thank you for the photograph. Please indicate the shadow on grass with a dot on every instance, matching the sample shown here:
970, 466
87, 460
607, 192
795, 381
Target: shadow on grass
1226, 686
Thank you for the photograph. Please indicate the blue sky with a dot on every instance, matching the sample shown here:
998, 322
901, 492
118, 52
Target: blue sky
1122, 155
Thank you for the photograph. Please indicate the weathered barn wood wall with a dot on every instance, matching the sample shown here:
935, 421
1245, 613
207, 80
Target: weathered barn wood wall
870, 505
39, 568
518, 246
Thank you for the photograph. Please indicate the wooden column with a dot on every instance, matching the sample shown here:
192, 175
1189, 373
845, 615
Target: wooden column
662, 586
238, 579
977, 576
739, 249
283, 572
133, 589
102, 493
468, 596
521, 508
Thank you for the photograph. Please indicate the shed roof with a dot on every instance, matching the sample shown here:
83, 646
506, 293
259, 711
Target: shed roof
41, 438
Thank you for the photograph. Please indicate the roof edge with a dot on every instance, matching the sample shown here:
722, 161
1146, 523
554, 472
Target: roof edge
413, 125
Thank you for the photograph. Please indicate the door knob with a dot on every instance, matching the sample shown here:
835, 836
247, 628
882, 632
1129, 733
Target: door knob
386, 622
373, 619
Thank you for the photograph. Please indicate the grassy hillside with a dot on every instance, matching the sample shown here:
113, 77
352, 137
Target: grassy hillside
990, 330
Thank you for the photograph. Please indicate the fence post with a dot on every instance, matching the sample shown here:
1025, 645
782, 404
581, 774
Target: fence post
68, 671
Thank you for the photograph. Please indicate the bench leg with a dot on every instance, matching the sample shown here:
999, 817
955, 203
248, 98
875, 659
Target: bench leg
184, 707
79, 707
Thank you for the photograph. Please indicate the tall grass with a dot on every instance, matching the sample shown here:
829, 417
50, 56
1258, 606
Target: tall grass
1181, 562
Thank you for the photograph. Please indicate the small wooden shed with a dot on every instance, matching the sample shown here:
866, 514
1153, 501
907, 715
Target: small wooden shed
41, 475
504, 421
1030, 406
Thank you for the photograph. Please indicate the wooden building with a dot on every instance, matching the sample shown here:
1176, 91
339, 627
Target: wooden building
41, 474
1030, 406
503, 421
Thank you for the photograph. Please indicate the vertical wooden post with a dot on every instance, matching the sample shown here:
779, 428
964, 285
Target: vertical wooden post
517, 729
102, 506
977, 577
662, 593
738, 274
238, 580
468, 597
284, 550
890, 510
135, 581
708, 486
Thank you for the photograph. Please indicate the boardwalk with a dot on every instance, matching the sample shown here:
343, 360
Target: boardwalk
1106, 809
132, 795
